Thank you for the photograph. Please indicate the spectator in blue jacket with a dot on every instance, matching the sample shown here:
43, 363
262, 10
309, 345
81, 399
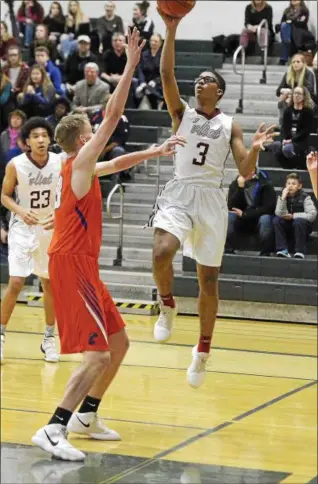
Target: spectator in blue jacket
42, 58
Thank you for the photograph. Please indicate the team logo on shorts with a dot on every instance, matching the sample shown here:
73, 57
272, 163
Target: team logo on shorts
91, 338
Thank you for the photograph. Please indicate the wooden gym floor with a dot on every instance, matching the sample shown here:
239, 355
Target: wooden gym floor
254, 420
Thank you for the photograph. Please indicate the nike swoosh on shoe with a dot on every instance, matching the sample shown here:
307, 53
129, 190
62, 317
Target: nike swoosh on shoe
50, 440
85, 425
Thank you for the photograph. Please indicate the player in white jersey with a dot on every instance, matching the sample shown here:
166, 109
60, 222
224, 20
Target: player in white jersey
191, 211
32, 177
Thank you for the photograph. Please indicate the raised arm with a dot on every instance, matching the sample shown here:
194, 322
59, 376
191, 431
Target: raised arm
132, 159
246, 160
85, 162
171, 93
312, 165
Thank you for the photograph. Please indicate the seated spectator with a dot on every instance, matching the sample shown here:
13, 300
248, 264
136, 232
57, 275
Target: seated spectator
29, 15
255, 13
38, 94
294, 29
284, 102
91, 93
55, 22
113, 66
77, 24
149, 73
9, 137
295, 214
312, 167
6, 41
76, 62
251, 204
62, 107
141, 21
7, 101
297, 125
298, 75
108, 25
42, 40
16, 70
42, 59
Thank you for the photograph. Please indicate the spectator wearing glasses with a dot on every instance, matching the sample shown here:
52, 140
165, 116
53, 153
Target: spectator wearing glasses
108, 25
295, 214
16, 70
29, 15
298, 75
149, 73
6, 41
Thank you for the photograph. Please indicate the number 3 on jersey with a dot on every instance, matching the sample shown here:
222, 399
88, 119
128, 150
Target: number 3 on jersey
58, 193
204, 148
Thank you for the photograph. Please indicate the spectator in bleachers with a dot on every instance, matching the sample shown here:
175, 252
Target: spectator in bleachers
9, 137
113, 65
38, 94
91, 93
312, 167
251, 204
298, 75
294, 29
298, 121
284, 102
4, 229
149, 73
108, 25
255, 13
29, 15
141, 21
295, 214
42, 58
42, 40
77, 25
6, 41
62, 107
16, 70
7, 101
55, 22
76, 62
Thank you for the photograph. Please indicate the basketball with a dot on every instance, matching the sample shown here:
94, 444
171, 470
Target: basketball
176, 8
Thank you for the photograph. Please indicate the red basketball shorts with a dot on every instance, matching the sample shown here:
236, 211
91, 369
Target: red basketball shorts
85, 312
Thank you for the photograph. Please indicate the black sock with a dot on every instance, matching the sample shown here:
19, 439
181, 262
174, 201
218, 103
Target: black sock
89, 404
61, 416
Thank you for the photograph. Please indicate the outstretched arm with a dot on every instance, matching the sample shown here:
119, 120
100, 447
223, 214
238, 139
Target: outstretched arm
312, 165
85, 162
171, 93
132, 159
246, 160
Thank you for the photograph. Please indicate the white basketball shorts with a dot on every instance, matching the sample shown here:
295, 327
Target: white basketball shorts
28, 246
197, 216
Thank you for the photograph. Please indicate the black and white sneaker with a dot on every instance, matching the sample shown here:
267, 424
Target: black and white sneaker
53, 439
48, 347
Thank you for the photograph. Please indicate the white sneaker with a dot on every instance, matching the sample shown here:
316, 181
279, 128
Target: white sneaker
53, 439
90, 424
197, 370
48, 347
2, 344
163, 327
299, 255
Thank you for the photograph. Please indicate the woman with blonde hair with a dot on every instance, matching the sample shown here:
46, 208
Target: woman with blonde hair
38, 94
77, 23
298, 75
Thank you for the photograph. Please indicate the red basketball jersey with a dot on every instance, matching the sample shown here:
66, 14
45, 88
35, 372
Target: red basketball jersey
77, 223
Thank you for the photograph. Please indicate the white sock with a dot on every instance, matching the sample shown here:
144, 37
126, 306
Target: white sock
3, 328
49, 331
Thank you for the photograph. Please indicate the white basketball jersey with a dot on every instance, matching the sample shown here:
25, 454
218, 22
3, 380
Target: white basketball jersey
202, 161
36, 186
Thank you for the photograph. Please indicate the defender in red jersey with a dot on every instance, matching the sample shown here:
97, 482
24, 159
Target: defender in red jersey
88, 320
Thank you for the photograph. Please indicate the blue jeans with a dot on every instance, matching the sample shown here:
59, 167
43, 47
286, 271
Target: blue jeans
296, 230
28, 34
285, 33
264, 226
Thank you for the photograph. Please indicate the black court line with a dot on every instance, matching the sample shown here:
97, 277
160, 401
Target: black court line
176, 369
213, 430
139, 422
185, 345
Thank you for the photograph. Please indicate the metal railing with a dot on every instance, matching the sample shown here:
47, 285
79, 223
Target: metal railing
240, 50
119, 259
263, 43
154, 175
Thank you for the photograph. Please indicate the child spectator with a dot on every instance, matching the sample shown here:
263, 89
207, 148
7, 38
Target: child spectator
55, 22
251, 204
9, 137
149, 73
6, 41
29, 15
42, 59
108, 25
42, 40
255, 13
295, 214
38, 94
141, 21
16, 70
62, 107
298, 75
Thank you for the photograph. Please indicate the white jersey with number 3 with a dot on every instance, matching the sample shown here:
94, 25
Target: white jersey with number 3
202, 161
36, 186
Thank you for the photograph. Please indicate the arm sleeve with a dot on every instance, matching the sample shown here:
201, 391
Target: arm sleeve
310, 212
281, 207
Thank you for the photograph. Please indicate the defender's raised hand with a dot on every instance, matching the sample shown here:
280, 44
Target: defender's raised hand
169, 146
133, 49
264, 135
